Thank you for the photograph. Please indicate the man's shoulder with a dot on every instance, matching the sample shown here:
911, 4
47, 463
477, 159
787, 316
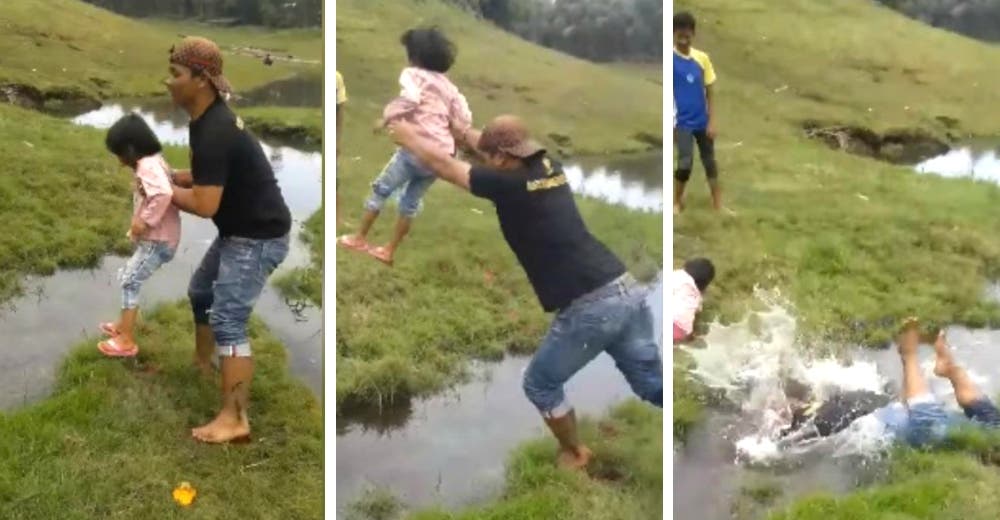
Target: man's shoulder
700, 56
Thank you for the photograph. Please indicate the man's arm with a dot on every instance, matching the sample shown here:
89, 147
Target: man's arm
440, 163
199, 200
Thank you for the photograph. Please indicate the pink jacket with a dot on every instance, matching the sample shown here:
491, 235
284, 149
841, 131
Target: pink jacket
432, 102
152, 201
685, 302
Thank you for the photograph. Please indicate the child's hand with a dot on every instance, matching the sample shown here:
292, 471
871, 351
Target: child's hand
138, 228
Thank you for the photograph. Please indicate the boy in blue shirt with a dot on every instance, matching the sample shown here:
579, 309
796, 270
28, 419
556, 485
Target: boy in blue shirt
694, 111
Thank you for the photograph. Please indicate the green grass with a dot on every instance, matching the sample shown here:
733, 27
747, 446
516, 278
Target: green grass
853, 243
625, 481
306, 283
456, 291
68, 46
113, 441
297, 125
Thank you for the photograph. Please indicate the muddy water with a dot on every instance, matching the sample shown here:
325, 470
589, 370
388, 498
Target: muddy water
633, 181
714, 463
59, 311
451, 449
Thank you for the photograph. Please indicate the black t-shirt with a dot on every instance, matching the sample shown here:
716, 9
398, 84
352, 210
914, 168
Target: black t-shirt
225, 154
543, 227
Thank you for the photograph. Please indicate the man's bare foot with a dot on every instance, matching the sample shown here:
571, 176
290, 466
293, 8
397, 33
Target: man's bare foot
224, 428
944, 362
678, 208
575, 461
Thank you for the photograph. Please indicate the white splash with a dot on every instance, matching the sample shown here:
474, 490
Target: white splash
750, 359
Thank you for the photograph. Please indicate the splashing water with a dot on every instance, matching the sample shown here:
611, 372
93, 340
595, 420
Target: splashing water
748, 362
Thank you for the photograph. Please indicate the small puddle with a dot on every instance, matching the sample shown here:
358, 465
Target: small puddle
451, 449
977, 161
58, 311
634, 181
743, 361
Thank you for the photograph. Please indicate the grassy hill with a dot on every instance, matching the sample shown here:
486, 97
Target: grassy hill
854, 243
69, 47
456, 291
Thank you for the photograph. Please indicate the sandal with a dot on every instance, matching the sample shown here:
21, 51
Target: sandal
109, 329
113, 348
381, 254
353, 242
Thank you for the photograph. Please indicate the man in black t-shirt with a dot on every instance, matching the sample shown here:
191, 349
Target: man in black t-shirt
231, 182
598, 306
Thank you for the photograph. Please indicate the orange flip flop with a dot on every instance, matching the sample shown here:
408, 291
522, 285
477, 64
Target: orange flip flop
381, 254
353, 242
113, 348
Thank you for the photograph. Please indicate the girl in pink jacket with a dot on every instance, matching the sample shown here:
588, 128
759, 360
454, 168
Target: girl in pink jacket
431, 101
155, 227
688, 285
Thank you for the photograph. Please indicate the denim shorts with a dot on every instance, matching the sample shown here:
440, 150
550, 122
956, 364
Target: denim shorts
225, 287
929, 422
615, 319
147, 258
402, 172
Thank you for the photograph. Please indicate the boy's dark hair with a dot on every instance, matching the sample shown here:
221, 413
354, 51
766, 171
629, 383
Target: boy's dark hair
683, 20
702, 270
131, 139
428, 48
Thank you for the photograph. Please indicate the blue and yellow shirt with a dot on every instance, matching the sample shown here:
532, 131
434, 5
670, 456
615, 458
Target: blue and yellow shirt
693, 73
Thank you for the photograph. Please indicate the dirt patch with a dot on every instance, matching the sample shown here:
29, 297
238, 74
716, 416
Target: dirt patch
54, 100
654, 141
902, 146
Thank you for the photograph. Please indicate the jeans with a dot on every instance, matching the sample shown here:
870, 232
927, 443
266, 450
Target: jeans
147, 258
225, 287
615, 319
402, 170
929, 422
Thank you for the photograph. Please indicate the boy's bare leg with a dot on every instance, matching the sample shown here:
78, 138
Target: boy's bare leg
914, 383
966, 391
678, 196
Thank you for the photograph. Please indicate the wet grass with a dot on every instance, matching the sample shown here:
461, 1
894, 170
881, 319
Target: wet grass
625, 481
113, 441
68, 47
456, 291
854, 243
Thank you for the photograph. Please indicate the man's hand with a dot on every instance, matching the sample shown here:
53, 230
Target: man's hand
452, 170
402, 132
710, 131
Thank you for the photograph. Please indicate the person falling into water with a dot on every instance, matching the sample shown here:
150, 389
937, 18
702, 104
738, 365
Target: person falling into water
598, 305
695, 112
918, 419
231, 182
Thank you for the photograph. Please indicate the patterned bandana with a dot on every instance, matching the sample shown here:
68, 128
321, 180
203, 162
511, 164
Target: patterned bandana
201, 56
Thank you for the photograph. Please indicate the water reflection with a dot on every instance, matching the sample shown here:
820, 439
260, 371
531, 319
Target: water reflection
968, 162
635, 182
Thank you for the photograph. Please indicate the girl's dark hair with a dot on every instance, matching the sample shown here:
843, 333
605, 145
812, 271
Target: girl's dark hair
428, 48
702, 270
683, 20
131, 139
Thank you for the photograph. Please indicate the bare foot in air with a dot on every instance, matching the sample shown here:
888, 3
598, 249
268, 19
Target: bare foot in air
944, 363
909, 339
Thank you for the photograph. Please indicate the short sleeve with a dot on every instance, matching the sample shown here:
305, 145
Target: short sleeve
341, 90
210, 165
490, 184
709, 70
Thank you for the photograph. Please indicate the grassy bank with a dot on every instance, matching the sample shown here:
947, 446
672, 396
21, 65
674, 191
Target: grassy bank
68, 47
295, 125
113, 441
306, 283
625, 481
457, 291
855, 244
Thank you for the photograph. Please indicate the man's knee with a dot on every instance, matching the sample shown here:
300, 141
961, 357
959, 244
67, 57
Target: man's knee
547, 396
201, 304
682, 174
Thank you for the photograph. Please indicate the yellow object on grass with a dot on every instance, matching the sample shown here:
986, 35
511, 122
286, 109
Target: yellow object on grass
184, 494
